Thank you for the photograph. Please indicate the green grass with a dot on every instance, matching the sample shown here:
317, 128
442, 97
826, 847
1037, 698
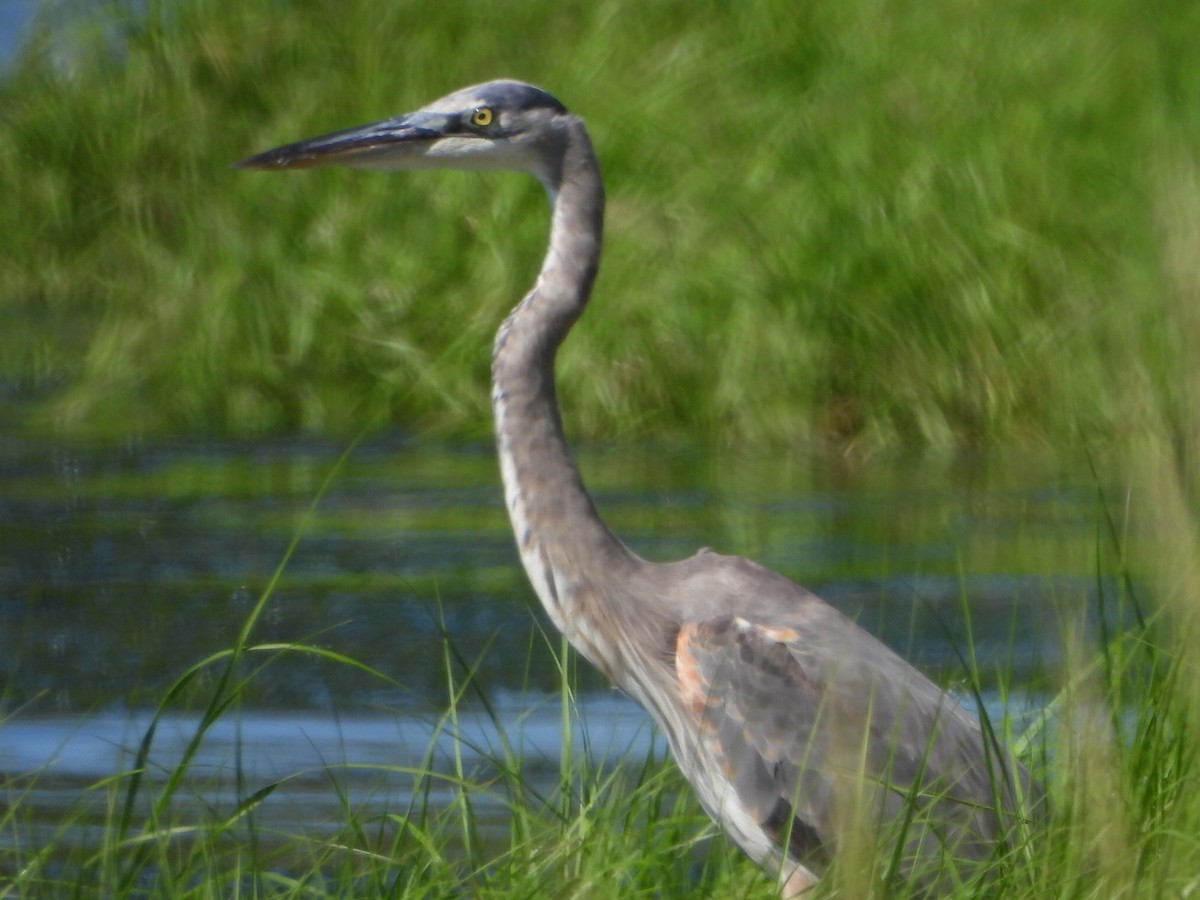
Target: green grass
875, 223
1117, 749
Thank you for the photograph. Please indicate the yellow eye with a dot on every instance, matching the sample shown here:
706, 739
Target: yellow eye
482, 116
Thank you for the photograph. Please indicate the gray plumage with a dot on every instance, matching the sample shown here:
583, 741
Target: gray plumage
793, 725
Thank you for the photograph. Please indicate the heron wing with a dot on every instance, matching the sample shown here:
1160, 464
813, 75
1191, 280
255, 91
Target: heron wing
756, 709
787, 717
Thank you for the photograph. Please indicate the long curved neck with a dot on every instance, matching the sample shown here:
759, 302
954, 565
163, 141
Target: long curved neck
561, 539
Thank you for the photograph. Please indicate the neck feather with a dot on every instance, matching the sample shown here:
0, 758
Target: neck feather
560, 536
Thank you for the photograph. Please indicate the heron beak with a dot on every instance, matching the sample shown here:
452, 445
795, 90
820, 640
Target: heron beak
388, 144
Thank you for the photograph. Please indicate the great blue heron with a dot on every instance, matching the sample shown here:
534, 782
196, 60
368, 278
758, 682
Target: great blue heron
793, 725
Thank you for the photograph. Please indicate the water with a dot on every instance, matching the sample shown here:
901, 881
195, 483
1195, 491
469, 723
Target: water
123, 564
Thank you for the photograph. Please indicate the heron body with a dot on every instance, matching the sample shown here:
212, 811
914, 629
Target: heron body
793, 725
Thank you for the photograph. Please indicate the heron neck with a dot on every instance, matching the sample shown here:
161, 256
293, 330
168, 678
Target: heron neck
559, 534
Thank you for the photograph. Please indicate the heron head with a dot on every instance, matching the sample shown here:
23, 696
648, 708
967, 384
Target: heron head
496, 125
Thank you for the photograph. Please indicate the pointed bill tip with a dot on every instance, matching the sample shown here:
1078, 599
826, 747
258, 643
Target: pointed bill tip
392, 139
289, 157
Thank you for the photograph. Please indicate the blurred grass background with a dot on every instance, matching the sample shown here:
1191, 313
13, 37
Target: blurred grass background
872, 223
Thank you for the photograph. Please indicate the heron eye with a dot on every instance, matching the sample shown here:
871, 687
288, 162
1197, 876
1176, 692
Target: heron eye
482, 116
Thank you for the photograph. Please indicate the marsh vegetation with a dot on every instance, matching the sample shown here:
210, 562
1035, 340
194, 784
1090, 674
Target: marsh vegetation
871, 227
